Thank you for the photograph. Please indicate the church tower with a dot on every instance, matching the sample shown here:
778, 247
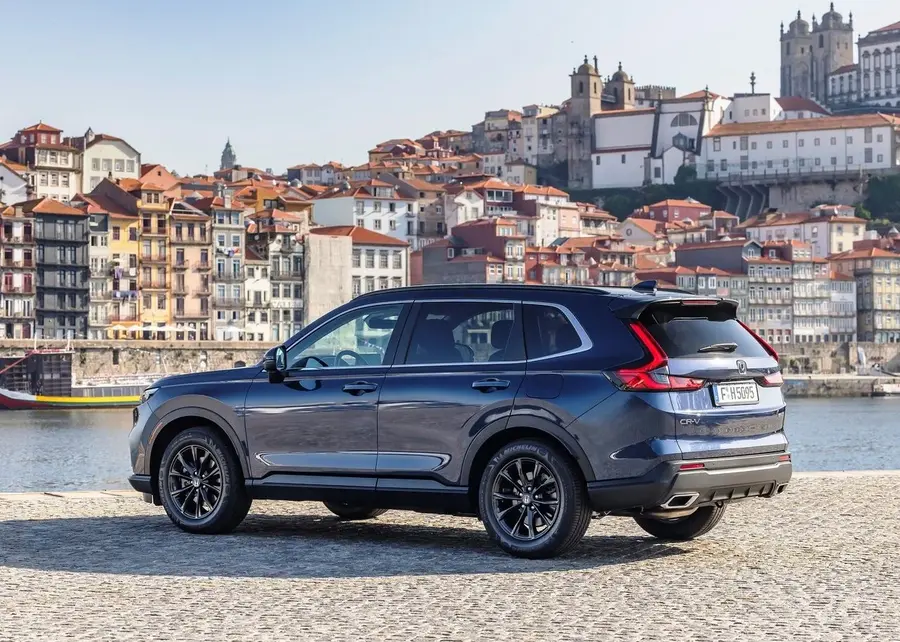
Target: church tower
832, 49
796, 58
229, 157
621, 88
585, 101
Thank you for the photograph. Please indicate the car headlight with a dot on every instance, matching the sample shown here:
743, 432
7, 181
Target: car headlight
149, 392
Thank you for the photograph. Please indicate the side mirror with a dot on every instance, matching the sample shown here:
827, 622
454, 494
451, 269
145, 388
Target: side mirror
276, 364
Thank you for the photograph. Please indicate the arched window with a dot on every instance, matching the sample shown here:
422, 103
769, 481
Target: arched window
580, 87
595, 88
787, 49
821, 41
684, 120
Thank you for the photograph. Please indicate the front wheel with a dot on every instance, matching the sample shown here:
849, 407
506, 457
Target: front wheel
533, 501
683, 529
200, 483
351, 511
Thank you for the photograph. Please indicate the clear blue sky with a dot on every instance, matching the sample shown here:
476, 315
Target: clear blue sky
308, 81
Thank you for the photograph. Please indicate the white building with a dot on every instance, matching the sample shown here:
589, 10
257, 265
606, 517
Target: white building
104, 156
842, 310
52, 164
494, 163
828, 145
829, 229
623, 140
879, 61
13, 182
461, 204
379, 261
373, 205
258, 325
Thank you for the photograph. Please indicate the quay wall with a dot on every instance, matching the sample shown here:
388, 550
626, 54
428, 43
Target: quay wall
800, 386
102, 359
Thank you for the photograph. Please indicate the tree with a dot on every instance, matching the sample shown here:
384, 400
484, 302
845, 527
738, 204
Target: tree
883, 199
619, 206
862, 212
685, 174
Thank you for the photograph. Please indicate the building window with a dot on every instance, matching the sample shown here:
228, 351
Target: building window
596, 160
120, 165
849, 160
623, 159
784, 143
768, 144
376, 224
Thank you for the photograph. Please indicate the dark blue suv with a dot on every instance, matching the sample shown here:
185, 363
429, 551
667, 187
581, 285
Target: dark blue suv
530, 407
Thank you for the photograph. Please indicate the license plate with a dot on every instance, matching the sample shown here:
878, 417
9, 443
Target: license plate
736, 394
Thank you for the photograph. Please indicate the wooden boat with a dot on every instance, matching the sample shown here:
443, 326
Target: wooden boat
43, 379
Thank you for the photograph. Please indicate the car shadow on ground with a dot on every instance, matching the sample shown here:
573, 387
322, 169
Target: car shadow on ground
289, 546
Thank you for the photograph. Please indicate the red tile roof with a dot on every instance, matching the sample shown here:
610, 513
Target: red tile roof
694, 95
13, 167
844, 69
797, 103
41, 127
541, 190
714, 244
674, 202
359, 235
49, 206
645, 224
805, 124
869, 253
891, 27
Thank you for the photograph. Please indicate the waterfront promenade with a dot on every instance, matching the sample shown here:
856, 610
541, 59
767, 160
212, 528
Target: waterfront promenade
818, 563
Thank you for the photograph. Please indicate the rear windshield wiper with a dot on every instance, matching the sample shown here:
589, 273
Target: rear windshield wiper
719, 347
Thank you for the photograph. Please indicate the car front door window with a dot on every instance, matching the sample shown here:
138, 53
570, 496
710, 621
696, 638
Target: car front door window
356, 339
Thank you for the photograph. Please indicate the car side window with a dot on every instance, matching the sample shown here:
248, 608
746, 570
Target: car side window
548, 331
466, 332
353, 340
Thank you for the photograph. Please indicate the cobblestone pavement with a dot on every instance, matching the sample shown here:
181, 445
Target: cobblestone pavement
818, 563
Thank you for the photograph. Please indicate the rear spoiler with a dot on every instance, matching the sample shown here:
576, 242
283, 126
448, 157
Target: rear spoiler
628, 308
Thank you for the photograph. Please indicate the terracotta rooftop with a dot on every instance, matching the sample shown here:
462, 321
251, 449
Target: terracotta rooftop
868, 253
713, 244
359, 235
891, 27
825, 123
797, 103
541, 190
675, 202
49, 206
42, 127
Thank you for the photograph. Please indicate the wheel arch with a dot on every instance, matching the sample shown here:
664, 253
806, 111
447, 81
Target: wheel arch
490, 441
183, 419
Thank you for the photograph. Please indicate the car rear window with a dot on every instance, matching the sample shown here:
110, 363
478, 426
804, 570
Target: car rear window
683, 331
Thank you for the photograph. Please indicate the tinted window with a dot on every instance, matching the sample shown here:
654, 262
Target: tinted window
683, 332
548, 331
466, 333
355, 339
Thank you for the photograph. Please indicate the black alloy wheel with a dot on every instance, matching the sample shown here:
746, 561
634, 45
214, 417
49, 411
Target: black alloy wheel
525, 498
195, 482
533, 500
200, 482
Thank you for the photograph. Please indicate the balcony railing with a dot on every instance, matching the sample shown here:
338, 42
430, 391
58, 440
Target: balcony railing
202, 266
159, 231
122, 316
17, 289
17, 240
286, 275
224, 277
179, 288
228, 302
181, 265
16, 264
202, 291
15, 314
153, 258
184, 239
191, 314
153, 285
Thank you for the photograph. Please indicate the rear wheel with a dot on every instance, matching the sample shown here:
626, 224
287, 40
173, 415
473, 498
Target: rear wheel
533, 501
200, 483
351, 511
682, 529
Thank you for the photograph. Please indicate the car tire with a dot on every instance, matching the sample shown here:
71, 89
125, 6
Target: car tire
351, 511
533, 500
200, 483
683, 529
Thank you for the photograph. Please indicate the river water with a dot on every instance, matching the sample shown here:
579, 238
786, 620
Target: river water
50, 450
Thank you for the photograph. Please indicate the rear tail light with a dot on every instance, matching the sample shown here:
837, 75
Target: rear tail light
773, 380
765, 344
694, 466
652, 376
784, 458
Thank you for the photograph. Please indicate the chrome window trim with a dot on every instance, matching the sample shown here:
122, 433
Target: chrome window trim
340, 316
586, 343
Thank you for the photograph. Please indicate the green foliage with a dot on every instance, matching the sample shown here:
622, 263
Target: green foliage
862, 212
622, 202
883, 198
685, 174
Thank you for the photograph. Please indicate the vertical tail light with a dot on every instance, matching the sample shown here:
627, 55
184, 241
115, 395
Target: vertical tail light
652, 376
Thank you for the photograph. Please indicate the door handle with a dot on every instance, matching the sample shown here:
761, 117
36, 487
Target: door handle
360, 387
489, 385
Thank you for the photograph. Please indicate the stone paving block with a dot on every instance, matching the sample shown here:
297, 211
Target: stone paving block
816, 563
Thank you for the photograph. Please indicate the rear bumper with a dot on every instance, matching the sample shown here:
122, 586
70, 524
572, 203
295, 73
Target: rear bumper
721, 479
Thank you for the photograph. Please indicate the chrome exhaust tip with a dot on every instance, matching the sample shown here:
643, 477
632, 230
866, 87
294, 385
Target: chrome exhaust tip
680, 500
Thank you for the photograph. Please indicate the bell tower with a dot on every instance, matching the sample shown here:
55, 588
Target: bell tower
585, 101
